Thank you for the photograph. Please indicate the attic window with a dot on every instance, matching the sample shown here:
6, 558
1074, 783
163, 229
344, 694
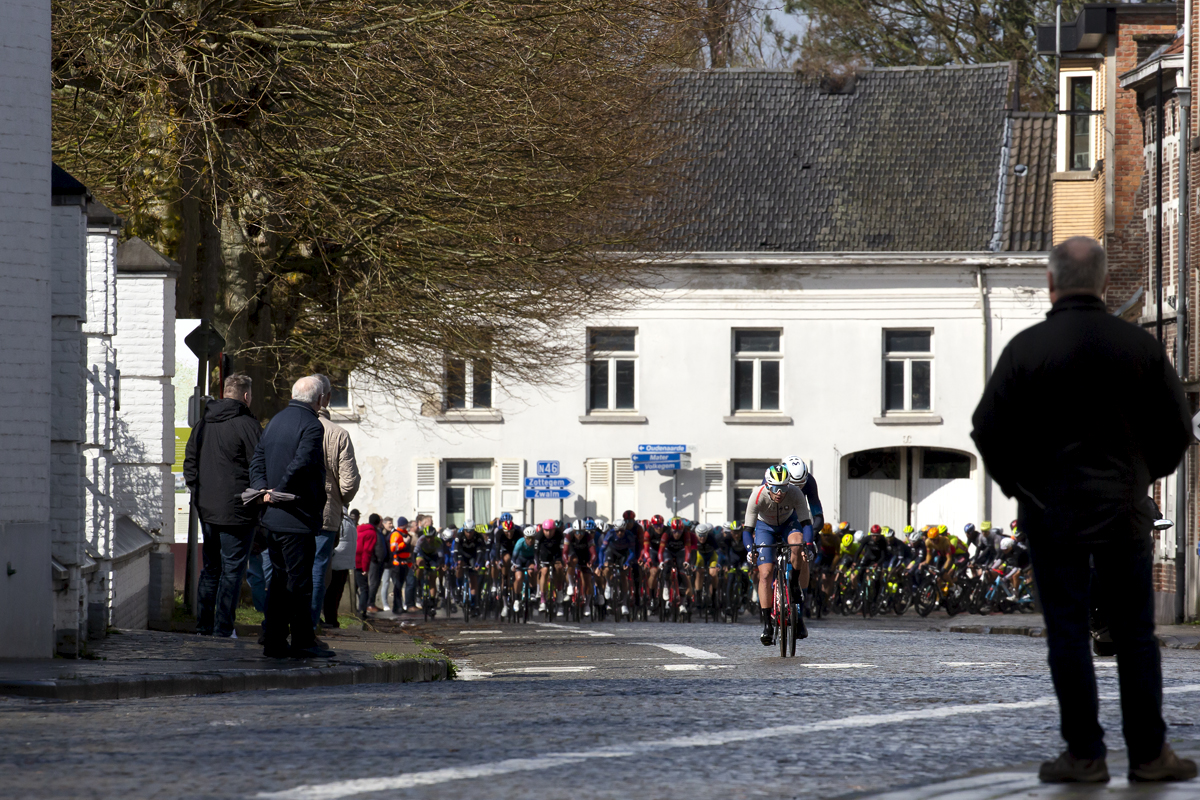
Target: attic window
1080, 134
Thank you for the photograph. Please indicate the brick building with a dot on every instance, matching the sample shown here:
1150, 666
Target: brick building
1122, 131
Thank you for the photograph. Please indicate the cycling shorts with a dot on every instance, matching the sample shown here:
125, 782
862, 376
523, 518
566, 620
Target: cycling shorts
430, 559
466, 559
616, 557
765, 534
711, 561
551, 557
522, 562
679, 558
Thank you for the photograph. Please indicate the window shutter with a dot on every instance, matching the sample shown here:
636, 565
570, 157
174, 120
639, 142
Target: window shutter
599, 495
624, 487
713, 507
512, 485
428, 485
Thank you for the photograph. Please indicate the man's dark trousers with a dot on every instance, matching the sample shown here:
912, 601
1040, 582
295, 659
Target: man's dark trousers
1123, 572
226, 555
289, 596
210, 580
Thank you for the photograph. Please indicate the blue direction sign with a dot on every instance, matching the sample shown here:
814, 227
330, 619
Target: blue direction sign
654, 458
662, 448
547, 468
547, 494
645, 461
548, 483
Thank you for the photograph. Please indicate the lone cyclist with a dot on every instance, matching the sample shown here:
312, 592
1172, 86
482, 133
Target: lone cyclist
782, 508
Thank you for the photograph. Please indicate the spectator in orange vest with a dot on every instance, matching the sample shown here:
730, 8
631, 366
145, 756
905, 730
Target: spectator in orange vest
401, 562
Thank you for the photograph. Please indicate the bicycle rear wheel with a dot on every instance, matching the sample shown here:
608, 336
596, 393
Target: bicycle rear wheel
781, 616
793, 625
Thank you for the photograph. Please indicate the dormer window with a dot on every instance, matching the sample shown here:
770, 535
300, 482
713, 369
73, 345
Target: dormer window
1079, 140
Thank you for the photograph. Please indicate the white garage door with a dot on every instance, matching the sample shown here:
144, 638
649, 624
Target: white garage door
875, 491
944, 493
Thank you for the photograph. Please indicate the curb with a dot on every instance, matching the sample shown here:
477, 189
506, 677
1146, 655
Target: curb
1169, 642
197, 683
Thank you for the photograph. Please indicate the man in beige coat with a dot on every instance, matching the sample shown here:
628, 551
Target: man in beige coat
341, 484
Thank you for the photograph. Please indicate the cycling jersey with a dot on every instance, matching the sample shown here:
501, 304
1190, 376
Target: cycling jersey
549, 547
795, 502
504, 543
429, 547
732, 550
469, 547
621, 544
873, 550
707, 551
849, 552
523, 553
829, 542
899, 551
669, 544
583, 550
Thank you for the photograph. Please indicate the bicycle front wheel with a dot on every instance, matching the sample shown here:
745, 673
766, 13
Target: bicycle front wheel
781, 616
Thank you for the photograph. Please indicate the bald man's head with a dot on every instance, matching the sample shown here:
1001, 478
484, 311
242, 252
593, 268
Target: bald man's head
1078, 266
307, 390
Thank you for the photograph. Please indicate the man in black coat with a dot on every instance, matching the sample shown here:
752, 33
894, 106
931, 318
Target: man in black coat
216, 468
290, 459
1082, 413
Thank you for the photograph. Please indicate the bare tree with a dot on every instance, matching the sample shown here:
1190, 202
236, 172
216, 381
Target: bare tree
930, 33
376, 186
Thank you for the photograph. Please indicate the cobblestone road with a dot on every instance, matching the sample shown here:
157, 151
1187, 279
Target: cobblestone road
603, 711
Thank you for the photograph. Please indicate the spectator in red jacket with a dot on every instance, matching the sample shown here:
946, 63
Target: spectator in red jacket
364, 554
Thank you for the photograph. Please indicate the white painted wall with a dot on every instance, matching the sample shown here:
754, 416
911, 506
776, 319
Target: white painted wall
832, 311
25, 325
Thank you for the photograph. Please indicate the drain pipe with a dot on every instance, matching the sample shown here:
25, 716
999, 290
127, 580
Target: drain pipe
1183, 99
985, 494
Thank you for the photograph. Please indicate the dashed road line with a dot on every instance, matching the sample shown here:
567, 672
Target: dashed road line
689, 667
528, 670
837, 666
348, 788
683, 650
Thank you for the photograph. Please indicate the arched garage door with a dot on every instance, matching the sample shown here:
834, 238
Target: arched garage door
900, 486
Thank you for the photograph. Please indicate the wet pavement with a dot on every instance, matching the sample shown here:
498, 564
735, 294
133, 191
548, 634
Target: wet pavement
868, 708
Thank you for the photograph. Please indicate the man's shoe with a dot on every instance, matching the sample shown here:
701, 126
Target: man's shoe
334, 624
316, 651
372, 610
768, 637
1167, 767
1069, 769
275, 652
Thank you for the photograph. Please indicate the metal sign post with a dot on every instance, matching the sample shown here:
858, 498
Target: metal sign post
207, 344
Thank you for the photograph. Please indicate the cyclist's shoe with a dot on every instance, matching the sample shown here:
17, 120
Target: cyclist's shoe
516, 606
541, 605
625, 611
1069, 769
801, 628
768, 634
1167, 767
587, 612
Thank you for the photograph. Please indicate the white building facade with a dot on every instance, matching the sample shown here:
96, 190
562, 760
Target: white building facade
868, 366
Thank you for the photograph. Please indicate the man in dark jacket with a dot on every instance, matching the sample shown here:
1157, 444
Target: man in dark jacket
216, 467
290, 459
1082, 413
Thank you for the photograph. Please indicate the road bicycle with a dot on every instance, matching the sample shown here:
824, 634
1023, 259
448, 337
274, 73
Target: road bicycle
784, 614
427, 590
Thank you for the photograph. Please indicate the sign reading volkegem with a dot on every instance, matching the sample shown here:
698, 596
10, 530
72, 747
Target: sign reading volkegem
662, 448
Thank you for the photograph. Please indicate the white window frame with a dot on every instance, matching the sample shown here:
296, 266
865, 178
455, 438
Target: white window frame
1063, 157
757, 357
735, 483
612, 357
492, 483
907, 357
468, 384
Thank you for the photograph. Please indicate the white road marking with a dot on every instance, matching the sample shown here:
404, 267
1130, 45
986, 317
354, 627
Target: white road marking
573, 661
978, 663
683, 650
555, 627
466, 672
339, 789
578, 668
476, 633
836, 666
682, 667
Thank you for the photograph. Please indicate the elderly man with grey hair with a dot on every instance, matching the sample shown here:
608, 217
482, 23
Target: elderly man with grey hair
290, 459
341, 484
1082, 413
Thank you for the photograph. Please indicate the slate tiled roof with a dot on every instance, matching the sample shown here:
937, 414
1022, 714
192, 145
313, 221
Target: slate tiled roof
906, 160
1028, 210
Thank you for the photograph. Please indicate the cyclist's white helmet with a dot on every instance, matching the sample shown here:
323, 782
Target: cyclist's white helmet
797, 470
859, 536
776, 477
577, 525
1006, 544
703, 529
529, 532
447, 534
